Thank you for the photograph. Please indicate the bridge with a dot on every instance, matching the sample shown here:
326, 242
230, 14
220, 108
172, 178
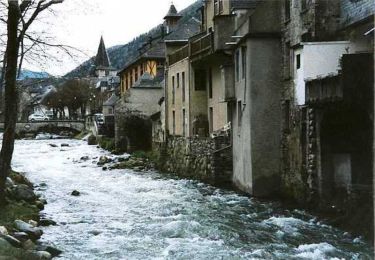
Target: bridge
40, 126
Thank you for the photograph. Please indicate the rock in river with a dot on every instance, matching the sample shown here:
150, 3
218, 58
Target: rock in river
75, 193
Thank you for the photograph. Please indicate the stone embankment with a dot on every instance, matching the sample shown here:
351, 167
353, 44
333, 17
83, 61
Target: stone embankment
20, 222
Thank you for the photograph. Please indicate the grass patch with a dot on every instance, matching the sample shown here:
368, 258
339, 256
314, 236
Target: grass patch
107, 143
17, 210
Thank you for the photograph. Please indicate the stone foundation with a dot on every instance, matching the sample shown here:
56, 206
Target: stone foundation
206, 159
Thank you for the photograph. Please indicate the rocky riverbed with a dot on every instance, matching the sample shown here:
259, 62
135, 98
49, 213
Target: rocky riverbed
21, 221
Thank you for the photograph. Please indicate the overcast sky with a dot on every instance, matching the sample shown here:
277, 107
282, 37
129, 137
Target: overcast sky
80, 23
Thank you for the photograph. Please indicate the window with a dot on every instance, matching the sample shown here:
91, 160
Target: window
211, 119
178, 80
239, 115
173, 90
136, 74
174, 122
199, 80
298, 61
303, 5
287, 9
218, 6
183, 87
237, 65
210, 83
244, 60
110, 111
183, 122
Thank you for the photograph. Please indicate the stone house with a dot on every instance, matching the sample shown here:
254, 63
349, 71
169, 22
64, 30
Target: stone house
253, 90
326, 99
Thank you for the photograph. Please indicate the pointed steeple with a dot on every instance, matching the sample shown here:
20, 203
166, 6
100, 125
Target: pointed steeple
102, 59
172, 13
172, 18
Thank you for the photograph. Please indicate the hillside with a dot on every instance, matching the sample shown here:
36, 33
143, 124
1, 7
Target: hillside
122, 54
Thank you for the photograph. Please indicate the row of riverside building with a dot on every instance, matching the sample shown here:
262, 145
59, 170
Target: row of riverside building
275, 97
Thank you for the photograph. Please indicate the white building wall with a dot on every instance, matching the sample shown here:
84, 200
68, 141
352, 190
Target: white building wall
323, 60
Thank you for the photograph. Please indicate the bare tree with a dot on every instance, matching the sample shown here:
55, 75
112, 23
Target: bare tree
21, 15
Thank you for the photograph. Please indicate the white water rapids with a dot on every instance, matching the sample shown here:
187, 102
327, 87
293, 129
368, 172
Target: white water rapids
122, 214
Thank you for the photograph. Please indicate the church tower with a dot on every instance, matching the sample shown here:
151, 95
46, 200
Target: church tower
171, 18
102, 62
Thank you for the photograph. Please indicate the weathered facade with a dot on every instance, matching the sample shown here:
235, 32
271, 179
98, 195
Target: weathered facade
255, 98
327, 104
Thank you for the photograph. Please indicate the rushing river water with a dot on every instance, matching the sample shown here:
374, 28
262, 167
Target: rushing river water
122, 214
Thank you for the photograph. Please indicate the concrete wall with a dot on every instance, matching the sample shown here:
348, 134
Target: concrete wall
256, 134
143, 100
317, 59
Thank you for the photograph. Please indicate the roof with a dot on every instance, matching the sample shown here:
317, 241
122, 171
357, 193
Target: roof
101, 59
184, 30
111, 101
156, 51
172, 13
147, 81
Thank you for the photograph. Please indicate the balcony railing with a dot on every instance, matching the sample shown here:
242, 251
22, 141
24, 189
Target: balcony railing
203, 44
179, 55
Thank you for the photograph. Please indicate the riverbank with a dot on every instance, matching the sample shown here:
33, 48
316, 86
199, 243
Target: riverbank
20, 222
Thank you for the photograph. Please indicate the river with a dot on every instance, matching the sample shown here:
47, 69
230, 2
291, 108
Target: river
123, 214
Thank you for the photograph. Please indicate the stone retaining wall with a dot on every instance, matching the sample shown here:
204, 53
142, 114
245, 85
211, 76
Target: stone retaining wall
206, 159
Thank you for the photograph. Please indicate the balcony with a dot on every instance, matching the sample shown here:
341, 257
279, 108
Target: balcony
202, 46
178, 55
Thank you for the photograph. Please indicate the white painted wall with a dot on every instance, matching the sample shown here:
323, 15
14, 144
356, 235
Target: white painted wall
318, 59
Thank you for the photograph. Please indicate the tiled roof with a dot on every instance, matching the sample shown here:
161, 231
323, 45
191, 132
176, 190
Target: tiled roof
111, 101
185, 30
155, 51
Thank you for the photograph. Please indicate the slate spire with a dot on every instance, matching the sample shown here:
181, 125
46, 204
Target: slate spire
102, 59
172, 13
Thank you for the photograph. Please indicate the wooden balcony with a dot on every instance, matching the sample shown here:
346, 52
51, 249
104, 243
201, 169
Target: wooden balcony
178, 55
202, 46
